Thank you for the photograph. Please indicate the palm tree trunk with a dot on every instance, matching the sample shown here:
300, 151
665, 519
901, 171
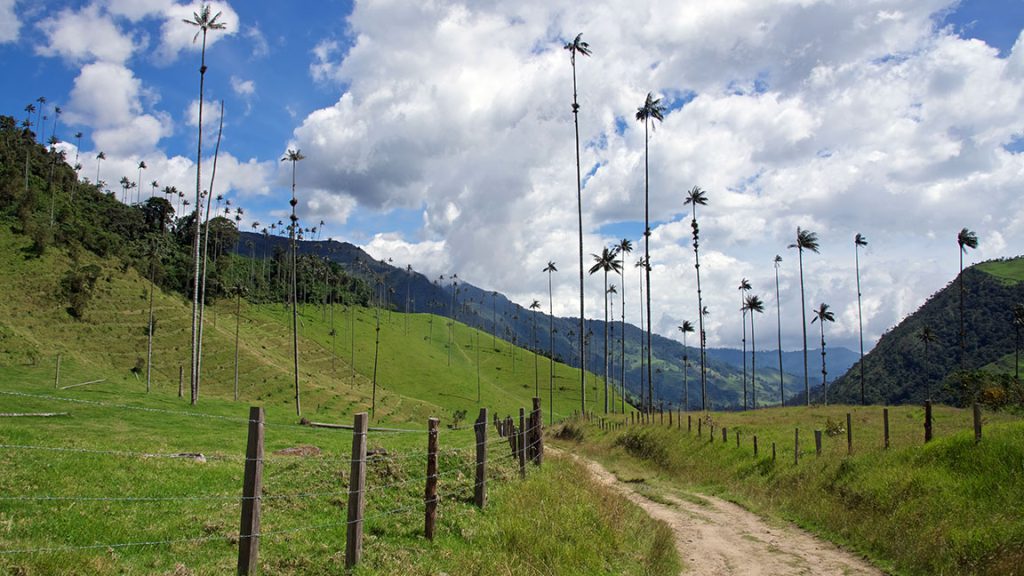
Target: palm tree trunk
700, 321
206, 247
824, 374
753, 364
803, 327
606, 341
778, 319
194, 384
376, 351
860, 323
743, 321
149, 344
622, 342
647, 266
963, 333
579, 213
686, 384
295, 291
238, 317
551, 350
643, 359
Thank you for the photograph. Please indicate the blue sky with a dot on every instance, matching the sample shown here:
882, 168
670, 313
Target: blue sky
439, 135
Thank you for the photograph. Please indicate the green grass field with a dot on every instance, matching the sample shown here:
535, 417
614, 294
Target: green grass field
948, 507
1009, 271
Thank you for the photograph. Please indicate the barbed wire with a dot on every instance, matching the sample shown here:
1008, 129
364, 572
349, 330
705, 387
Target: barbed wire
130, 454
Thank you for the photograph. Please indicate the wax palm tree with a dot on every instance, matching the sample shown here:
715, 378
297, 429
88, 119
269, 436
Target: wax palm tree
651, 110
694, 197
927, 337
78, 145
99, 157
1018, 324
778, 319
686, 328
609, 295
641, 264
142, 166
822, 315
56, 117
753, 304
966, 239
551, 339
535, 305
858, 241
578, 46
744, 287
805, 240
39, 117
606, 261
205, 22
625, 247
294, 156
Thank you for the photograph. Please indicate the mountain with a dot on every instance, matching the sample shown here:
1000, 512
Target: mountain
492, 312
900, 370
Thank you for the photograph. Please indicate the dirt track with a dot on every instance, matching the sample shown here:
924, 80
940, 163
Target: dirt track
715, 537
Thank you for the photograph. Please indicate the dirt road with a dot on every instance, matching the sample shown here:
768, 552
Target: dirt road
715, 537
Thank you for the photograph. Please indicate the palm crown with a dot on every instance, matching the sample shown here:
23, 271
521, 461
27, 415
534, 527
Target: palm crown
577, 46
753, 303
651, 110
204, 21
967, 239
805, 240
686, 327
823, 314
606, 261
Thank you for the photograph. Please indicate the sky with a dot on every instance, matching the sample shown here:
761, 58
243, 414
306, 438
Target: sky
440, 135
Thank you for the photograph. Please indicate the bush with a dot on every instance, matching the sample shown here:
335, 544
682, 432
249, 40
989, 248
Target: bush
77, 287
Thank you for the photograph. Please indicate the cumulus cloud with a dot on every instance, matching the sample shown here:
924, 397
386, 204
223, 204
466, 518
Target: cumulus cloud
9, 23
85, 35
175, 36
839, 118
244, 88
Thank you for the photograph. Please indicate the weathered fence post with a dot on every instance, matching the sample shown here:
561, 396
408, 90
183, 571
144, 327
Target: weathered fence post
252, 486
725, 434
927, 420
430, 494
537, 431
670, 418
56, 377
356, 493
755, 445
480, 487
976, 408
181, 380
711, 434
689, 423
737, 438
773, 452
700, 425
796, 446
885, 426
817, 442
849, 434
521, 443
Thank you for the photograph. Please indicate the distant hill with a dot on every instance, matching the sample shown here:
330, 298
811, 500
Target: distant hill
899, 370
494, 313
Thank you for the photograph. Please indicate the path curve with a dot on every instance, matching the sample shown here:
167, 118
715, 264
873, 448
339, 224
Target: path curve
716, 537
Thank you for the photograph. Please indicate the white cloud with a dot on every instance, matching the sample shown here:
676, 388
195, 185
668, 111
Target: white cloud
176, 36
260, 47
211, 116
136, 10
84, 36
9, 23
244, 88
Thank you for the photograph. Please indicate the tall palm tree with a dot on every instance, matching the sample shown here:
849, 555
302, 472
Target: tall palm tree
205, 22
535, 305
625, 247
805, 240
78, 145
99, 157
753, 304
606, 261
822, 315
694, 197
651, 110
1018, 323
778, 319
858, 241
927, 337
686, 328
966, 239
294, 156
641, 264
609, 296
138, 194
39, 117
551, 339
744, 287
578, 46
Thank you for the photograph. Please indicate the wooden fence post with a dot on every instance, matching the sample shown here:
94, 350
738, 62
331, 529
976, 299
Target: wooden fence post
711, 434
521, 443
356, 493
252, 486
885, 426
773, 452
689, 423
849, 434
927, 420
700, 425
181, 380
538, 433
430, 494
480, 487
976, 408
670, 418
56, 377
817, 442
725, 434
737, 438
755, 445
796, 446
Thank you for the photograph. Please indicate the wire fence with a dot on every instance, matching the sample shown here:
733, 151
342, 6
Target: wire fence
388, 491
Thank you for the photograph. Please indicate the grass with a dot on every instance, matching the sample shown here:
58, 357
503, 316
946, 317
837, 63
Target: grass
524, 528
1008, 271
948, 507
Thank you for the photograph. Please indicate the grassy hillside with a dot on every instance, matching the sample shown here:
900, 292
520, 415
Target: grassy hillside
947, 507
900, 369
